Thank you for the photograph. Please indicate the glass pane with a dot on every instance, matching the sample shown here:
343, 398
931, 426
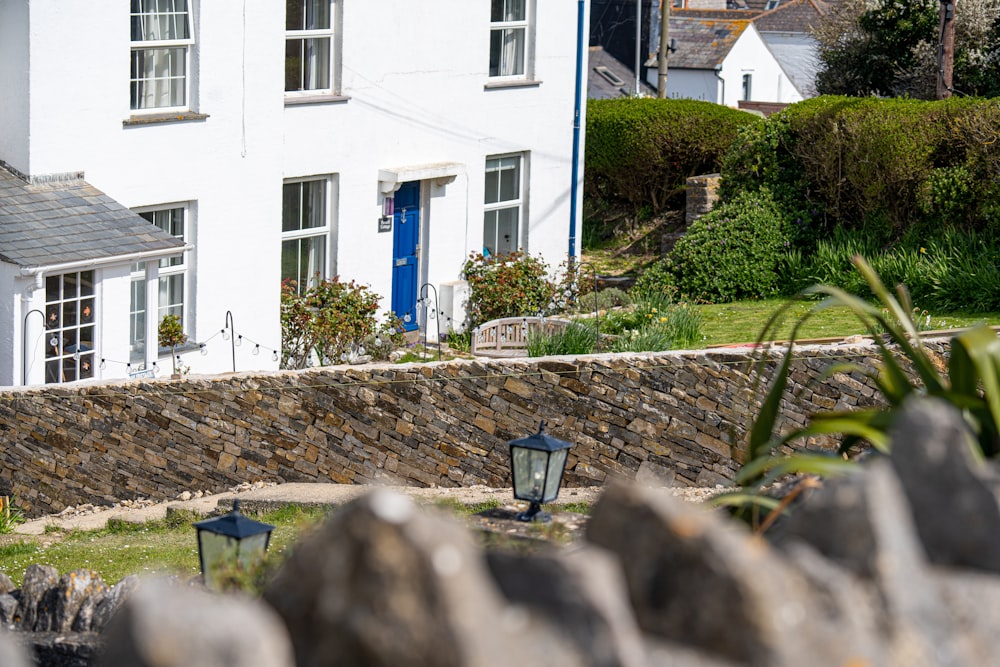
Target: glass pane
87, 311
87, 366
316, 74
506, 226
511, 52
70, 285
52, 371
507, 10
510, 179
313, 259
171, 292
52, 288
556, 463
158, 78
290, 263
87, 283
314, 204
291, 207
69, 314
490, 232
86, 339
528, 468
294, 55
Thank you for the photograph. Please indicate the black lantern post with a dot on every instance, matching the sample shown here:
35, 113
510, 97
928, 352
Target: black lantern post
230, 542
537, 463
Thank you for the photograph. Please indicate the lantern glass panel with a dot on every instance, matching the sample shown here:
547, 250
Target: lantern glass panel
222, 555
557, 461
529, 468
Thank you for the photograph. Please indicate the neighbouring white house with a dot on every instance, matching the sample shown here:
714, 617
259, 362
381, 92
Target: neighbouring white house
187, 156
722, 59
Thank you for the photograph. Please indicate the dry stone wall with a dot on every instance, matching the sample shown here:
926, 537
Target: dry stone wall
673, 415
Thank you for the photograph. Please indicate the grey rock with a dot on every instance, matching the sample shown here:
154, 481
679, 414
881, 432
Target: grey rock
6, 583
76, 590
381, 583
698, 579
583, 594
56, 649
12, 653
950, 493
8, 611
37, 603
111, 601
167, 625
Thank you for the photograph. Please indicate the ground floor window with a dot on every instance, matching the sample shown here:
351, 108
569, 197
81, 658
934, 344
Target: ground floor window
305, 232
69, 326
504, 205
172, 282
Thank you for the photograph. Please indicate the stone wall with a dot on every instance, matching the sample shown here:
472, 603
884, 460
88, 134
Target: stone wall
680, 415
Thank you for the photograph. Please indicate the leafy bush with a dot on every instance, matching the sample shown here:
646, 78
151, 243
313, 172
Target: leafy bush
170, 333
642, 150
733, 252
336, 322
510, 285
655, 280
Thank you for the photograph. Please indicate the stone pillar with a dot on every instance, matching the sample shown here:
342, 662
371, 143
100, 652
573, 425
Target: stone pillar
702, 192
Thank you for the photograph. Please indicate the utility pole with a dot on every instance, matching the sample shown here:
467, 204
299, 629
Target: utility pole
946, 50
661, 63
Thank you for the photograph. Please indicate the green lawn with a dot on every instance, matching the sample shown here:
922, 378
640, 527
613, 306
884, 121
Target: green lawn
741, 322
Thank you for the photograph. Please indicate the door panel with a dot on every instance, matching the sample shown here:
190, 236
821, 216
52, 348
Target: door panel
405, 237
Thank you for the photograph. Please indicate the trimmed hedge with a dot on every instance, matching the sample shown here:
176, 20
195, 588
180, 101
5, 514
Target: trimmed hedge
885, 165
642, 150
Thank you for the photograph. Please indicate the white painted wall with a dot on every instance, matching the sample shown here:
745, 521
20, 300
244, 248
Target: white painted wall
14, 83
414, 74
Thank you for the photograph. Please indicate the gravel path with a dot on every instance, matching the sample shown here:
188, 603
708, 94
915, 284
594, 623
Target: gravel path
260, 496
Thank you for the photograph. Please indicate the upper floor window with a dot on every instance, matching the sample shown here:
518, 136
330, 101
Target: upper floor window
305, 231
747, 86
70, 327
162, 38
503, 204
509, 38
309, 46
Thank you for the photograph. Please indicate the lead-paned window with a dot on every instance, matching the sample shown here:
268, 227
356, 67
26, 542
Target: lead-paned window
70, 328
162, 38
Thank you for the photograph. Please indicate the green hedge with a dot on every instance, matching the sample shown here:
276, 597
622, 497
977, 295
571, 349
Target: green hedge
885, 165
642, 150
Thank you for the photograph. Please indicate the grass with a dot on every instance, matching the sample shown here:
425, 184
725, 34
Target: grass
741, 322
167, 546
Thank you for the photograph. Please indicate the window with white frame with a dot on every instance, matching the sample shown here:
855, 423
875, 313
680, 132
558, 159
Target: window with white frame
510, 34
747, 86
504, 204
310, 46
162, 39
70, 309
305, 232
172, 281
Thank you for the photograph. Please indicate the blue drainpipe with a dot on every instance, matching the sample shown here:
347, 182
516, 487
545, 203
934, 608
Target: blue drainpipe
577, 110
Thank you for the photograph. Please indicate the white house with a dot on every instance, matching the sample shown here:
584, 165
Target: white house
718, 58
186, 156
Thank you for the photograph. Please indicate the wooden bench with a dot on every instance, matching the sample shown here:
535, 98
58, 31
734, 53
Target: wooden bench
508, 336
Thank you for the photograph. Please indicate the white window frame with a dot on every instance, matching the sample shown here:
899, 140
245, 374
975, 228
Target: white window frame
185, 44
331, 33
68, 354
491, 241
327, 230
747, 88
526, 24
169, 270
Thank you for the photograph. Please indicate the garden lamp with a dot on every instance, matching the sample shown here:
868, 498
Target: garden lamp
537, 463
231, 542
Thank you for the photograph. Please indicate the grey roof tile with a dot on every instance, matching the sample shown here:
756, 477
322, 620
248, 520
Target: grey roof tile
42, 224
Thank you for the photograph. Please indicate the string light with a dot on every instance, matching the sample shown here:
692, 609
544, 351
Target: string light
256, 350
274, 355
239, 340
203, 349
54, 342
104, 364
225, 334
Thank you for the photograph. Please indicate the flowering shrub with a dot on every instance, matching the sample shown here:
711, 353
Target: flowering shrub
336, 322
509, 285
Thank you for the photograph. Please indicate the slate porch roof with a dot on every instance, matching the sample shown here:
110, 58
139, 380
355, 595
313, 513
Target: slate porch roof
54, 221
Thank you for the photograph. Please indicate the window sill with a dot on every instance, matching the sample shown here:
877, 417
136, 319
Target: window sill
521, 83
157, 118
298, 100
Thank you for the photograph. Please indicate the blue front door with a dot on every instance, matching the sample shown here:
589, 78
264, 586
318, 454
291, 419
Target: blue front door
405, 236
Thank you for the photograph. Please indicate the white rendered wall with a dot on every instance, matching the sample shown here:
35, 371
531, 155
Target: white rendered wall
14, 30
414, 77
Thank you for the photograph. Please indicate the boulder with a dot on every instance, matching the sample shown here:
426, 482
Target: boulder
163, 624
76, 591
696, 578
951, 493
583, 594
105, 607
383, 584
37, 601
